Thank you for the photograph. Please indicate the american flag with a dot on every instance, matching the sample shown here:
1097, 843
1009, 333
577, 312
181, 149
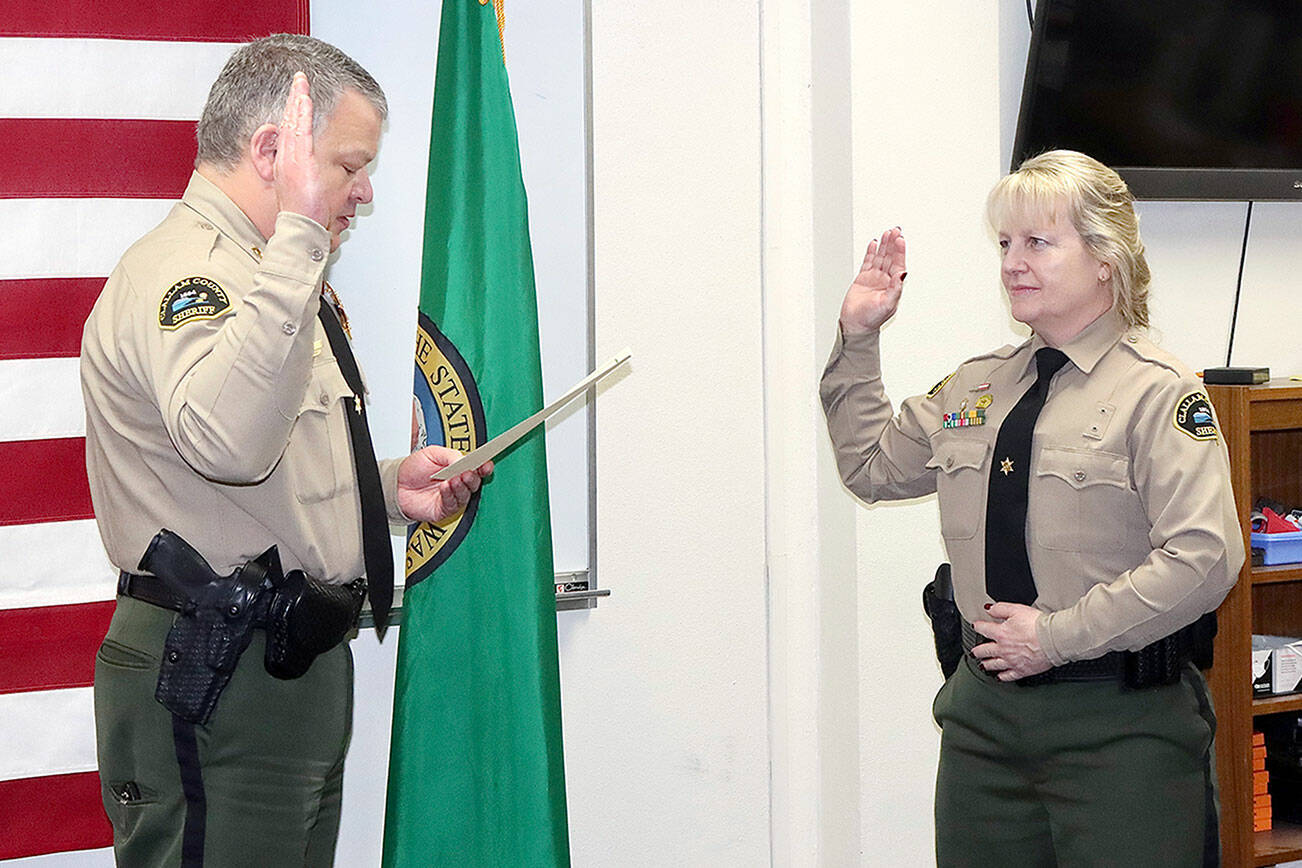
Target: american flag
98, 102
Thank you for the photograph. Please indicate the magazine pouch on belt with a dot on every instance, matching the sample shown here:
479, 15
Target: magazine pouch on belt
1161, 662
308, 618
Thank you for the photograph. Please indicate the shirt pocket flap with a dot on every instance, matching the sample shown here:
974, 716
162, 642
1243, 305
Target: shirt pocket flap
1083, 468
325, 389
955, 454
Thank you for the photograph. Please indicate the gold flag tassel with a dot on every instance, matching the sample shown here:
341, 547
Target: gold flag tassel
499, 6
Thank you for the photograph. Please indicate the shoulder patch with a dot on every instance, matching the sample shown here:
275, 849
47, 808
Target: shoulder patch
194, 298
1193, 415
931, 393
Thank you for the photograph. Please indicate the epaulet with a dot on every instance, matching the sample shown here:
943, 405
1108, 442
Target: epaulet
1001, 354
1142, 347
182, 236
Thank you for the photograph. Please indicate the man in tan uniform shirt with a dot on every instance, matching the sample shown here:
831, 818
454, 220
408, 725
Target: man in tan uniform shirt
216, 409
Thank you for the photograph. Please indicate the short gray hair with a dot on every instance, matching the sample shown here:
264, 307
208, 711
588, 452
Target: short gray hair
254, 84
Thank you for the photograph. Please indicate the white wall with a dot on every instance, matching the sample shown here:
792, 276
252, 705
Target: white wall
665, 697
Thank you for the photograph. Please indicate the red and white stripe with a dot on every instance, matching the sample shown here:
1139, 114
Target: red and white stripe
97, 109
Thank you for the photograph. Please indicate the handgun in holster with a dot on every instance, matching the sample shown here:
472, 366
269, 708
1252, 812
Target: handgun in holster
946, 626
214, 627
303, 618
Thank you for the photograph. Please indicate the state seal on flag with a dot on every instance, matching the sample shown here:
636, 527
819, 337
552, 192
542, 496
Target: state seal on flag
446, 411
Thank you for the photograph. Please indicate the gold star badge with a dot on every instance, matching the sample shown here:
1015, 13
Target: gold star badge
1006, 466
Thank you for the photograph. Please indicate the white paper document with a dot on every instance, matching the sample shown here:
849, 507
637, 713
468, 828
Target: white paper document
494, 447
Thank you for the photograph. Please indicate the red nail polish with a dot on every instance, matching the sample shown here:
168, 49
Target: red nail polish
988, 605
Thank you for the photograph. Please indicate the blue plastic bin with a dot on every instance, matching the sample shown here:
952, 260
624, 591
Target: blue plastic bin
1280, 548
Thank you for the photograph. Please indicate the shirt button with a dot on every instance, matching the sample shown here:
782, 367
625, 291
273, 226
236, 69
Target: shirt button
324, 399
1080, 475
289, 328
949, 462
205, 225
1134, 339
316, 254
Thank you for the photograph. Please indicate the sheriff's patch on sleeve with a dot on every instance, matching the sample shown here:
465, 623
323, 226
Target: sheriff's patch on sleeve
192, 299
936, 388
1193, 416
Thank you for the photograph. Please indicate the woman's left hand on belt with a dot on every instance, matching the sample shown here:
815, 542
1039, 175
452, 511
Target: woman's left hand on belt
1015, 650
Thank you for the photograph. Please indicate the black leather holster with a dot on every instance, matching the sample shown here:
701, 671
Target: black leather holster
946, 625
215, 625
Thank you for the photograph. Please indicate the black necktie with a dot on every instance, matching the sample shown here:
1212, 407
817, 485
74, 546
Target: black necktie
376, 549
1008, 569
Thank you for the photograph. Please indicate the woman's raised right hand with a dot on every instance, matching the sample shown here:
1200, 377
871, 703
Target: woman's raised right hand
875, 293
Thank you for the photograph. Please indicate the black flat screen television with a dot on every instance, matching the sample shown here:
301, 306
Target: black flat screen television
1186, 99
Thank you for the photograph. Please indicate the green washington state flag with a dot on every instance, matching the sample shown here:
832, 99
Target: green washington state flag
476, 776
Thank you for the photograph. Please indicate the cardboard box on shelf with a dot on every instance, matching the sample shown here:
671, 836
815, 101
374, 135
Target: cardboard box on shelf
1276, 665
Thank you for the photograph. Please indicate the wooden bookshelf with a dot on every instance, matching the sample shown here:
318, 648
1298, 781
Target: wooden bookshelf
1262, 426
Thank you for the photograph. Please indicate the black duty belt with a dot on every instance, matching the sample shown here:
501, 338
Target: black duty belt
302, 617
1109, 667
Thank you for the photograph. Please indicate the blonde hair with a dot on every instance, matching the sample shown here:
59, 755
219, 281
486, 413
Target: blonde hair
1100, 207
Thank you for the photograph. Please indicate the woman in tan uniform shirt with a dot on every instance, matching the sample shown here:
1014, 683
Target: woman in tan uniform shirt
1126, 518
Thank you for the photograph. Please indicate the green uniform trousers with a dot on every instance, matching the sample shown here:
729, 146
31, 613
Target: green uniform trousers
260, 784
1075, 774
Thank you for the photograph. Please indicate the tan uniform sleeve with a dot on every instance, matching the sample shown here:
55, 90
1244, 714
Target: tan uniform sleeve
880, 457
1184, 485
229, 389
389, 480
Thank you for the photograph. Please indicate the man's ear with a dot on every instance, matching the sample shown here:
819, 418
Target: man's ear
262, 150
